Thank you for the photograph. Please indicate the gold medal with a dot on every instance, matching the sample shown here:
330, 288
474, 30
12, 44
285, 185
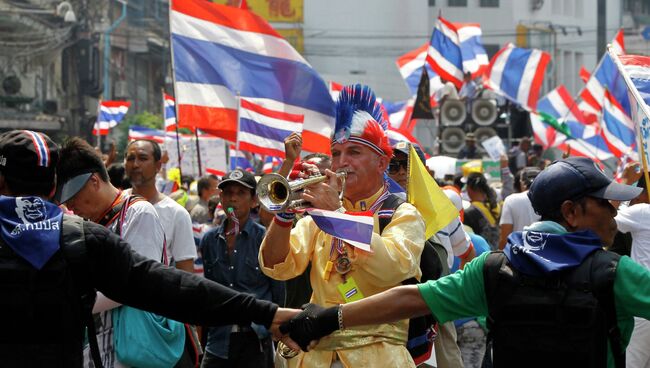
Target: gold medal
343, 264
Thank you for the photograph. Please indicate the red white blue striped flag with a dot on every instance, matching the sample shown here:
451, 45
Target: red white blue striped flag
444, 53
355, 230
111, 113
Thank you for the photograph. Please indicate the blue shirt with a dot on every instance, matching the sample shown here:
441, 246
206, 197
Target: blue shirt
239, 271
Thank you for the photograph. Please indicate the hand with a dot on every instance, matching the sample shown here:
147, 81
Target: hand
631, 173
292, 146
311, 324
283, 316
324, 195
503, 161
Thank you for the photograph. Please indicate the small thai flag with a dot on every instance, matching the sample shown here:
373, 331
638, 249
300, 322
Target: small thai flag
352, 229
111, 113
138, 132
169, 112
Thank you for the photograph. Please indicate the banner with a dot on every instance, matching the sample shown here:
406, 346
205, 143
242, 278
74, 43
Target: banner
213, 155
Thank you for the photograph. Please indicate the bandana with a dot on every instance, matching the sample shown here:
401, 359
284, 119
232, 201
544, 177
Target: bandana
539, 253
31, 227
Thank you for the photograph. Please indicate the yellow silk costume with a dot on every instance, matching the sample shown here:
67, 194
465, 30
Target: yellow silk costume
395, 258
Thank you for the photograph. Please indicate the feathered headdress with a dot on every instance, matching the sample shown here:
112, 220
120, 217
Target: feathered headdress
359, 119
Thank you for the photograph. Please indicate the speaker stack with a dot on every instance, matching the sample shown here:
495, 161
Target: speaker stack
456, 123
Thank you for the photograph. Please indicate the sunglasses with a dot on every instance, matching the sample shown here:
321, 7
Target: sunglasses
394, 166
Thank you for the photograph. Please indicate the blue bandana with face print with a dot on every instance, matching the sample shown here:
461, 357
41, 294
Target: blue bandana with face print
539, 253
31, 227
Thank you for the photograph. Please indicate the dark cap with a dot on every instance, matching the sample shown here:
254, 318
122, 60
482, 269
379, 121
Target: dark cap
404, 147
239, 176
28, 156
573, 178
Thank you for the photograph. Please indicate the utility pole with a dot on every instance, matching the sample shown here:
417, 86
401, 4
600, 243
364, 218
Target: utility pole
601, 32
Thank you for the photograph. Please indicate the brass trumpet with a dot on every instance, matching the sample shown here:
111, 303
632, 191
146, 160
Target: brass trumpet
277, 194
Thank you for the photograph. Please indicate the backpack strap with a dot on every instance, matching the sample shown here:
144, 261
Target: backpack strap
75, 252
603, 268
385, 215
491, 269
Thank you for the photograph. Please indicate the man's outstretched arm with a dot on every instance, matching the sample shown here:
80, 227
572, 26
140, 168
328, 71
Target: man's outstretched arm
392, 305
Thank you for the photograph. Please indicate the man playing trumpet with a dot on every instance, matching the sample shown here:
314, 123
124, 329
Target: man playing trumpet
340, 272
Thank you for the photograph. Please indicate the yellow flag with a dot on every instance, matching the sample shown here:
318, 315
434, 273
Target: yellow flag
424, 193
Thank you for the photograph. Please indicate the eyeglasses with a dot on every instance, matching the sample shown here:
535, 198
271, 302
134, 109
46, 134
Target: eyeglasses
394, 165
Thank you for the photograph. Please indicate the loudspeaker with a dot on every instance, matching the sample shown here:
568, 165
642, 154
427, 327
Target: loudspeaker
453, 112
484, 133
484, 111
452, 139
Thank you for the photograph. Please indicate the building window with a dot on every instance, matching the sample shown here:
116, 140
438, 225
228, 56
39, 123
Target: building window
456, 2
432, 2
489, 3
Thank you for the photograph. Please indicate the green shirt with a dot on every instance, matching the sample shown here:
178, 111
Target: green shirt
462, 295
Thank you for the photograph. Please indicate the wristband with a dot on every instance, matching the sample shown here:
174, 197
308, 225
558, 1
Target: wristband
339, 314
284, 219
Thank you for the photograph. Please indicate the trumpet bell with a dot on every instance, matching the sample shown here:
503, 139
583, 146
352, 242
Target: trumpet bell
274, 192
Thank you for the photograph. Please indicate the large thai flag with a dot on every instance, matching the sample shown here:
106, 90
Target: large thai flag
518, 74
410, 67
263, 130
140, 132
111, 113
560, 105
221, 51
475, 59
355, 230
444, 53
169, 112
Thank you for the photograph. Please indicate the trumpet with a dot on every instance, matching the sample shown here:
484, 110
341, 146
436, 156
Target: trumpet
277, 194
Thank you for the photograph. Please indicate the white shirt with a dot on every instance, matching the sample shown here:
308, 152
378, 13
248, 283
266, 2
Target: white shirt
636, 220
178, 229
518, 211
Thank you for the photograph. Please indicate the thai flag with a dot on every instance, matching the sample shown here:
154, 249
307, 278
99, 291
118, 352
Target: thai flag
518, 74
622, 162
111, 113
560, 105
263, 131
617, 127
139, 132
444, 53
42, 150
395, 136
475, 59
355, 230
221, 51
584, 74
399, 113
606, 77
410, 67
270, 164
239, 160
169, 112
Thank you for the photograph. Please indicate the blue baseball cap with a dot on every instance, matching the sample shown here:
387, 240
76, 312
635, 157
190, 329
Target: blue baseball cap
573, 178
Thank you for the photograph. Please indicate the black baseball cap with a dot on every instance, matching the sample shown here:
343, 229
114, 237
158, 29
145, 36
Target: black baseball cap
573, 178
27, 156
72, 186
239, 176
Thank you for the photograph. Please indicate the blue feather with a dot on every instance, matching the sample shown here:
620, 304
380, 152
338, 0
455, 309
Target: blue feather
352, 99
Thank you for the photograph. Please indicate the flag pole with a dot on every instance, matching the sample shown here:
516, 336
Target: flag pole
198, 151
640, 103
171, 58
99, 133
238, 121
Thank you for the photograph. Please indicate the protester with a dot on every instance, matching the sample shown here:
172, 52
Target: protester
517, 212
67, 259
519, 155
554, 297
635, 221
435, 255
230, 257
142, 163
469, 150
206, 188
485, 210
361, 148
